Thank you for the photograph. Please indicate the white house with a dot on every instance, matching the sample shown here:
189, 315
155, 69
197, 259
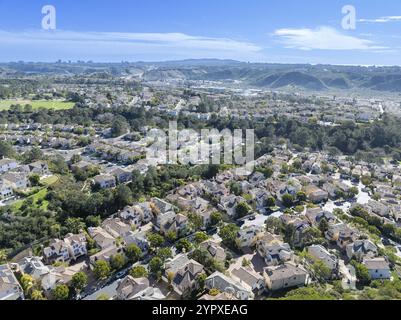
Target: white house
378, 268
285, 276
10, 288
7, 165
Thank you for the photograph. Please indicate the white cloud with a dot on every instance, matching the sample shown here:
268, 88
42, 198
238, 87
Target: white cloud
323, 38
382, 19
91, 43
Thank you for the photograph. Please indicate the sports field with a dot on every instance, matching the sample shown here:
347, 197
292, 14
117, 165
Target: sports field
37, 104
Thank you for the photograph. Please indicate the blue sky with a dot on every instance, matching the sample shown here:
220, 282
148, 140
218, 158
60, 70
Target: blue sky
284, 31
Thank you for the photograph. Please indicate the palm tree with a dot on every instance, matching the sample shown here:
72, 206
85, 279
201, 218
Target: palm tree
170, 278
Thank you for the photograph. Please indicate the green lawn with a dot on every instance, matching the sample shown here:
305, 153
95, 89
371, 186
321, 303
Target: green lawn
36, 104
35, 198
49, 180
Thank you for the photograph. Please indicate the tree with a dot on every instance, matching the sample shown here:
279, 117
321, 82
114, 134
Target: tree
61, 292
301, 196
362, 273
353, 192
196, 221
133, 253
323, 226
37, 295
139, 272
27, 283
74, 225
274, 225
164, 253
242, 209
79, 281
288, 200
3, 256
201, 279
34, 180
366, 180
123, 196
308, 293
101, 269
183, 245
228, 234
155, 240
93, 221
155, 265
6, 150
211, 172
171, 236
215, 218
200, 237
119, 126
75, 159
321, 270
235, 188
117, 261
34, 154
270, 202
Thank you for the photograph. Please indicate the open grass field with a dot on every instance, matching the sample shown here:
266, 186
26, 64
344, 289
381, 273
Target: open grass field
49, 181
37, 104
37, 197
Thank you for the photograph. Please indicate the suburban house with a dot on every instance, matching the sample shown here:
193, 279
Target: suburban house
274, 253
301, 226
378, 268
184, 275
81, 165
316, 215
215, 189
57, 251
247, 236
341, 234
137, 215
229, 204
105, 181
285, 276
378, 208
121, 175
106, 254
214, 249
102, 238
33, 266
320, 253
17, 181
177, 224
7, 165
130, 287
228, 285
249, 277
72, 247
61, 275
315, 194
116, 227
10, 289
39, 167
6, 189
361, 249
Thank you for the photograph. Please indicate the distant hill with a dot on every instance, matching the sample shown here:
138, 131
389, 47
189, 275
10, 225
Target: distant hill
260, 75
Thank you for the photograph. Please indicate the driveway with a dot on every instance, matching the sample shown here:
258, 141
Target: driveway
349, 277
